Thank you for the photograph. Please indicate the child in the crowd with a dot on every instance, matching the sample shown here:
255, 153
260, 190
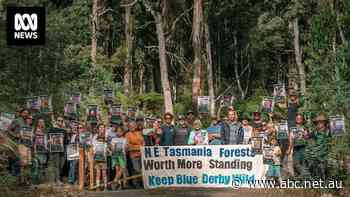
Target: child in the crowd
118, 148
100, 155
198, 136
247, 130
274, 170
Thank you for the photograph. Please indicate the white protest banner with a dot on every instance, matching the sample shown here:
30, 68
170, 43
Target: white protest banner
217, 166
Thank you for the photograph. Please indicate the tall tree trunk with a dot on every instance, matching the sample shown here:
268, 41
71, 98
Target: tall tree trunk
94, 33
168, 103
142, 72
298, 57
197, 33
129, 50
238, 80
210, 71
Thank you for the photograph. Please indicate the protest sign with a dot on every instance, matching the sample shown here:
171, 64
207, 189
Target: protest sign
203, 104
100, 149
118, 145
337, 125
56, 142
6, 119
279, 93
115, 110
92, 113
257, 143
72, 152
26, 136
40, 144
85, 138
76, 98
282, 132
226, 101
33, 104
200, 166
267, 154
45, 104
70, 109
268, 104
108, 96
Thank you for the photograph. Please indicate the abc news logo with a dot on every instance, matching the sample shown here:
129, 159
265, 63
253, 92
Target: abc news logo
25, 25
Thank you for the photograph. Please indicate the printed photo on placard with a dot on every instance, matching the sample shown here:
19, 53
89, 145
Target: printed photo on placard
298, 137
267, 154
279, 93
100, 149
56, 142
76, 98
72, 152
268, 104
40, 144
131, 111
282, 132
92, 111
118, 145
116, 110
6, 119
85, 138
337, 125
45, 104
226, 101
214, 130
203, 104
26, 136
108, 96
257, 143
33, 104
70, 108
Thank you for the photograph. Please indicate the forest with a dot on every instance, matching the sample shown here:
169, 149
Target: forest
160, 55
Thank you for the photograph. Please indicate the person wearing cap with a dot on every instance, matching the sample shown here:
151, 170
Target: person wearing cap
190, 117
168, 130
182, 132
232, 132
247, 130
318, 150
198, 136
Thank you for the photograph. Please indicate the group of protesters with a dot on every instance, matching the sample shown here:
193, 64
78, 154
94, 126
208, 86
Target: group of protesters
132, 132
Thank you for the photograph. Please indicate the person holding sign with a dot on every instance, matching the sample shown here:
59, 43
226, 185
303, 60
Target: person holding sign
135, 142
73, 163
198, 136
274, 170
40, 151
298, 138
118, 148
100, 155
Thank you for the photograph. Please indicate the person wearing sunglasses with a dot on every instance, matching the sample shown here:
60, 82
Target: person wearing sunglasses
167, 131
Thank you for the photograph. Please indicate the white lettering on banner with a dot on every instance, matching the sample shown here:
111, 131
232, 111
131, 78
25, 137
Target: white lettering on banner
201, 166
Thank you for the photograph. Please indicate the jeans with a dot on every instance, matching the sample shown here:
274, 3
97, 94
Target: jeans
72, 174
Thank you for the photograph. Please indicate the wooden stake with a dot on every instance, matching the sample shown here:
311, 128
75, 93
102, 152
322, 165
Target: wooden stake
91, 168
81, 169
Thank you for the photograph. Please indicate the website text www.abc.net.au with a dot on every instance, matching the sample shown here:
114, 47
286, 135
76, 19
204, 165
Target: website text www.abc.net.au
237, 182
